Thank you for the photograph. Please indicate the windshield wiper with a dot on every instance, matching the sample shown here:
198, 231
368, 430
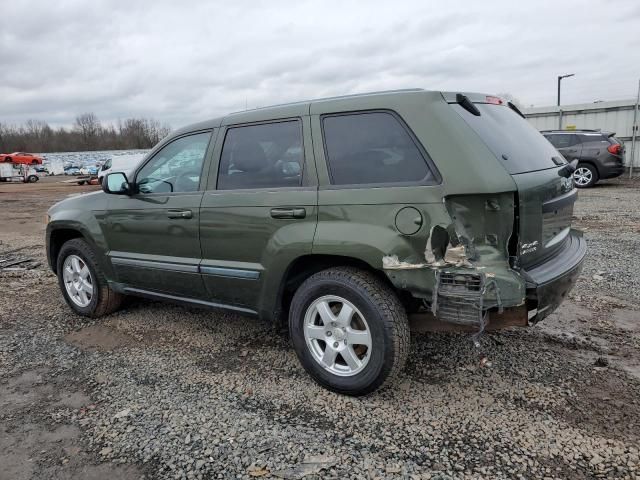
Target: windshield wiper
467, 104
515, 109
568, 169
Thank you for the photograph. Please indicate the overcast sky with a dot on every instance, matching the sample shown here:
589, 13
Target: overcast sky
184, 61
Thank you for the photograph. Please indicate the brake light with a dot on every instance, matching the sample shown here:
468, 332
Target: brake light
615, 149
494, 100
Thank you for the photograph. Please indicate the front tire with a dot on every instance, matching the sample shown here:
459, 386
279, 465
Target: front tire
349, 330
585, 175
82, 282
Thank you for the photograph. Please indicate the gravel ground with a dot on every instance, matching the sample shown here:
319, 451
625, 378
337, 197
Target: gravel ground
161, 391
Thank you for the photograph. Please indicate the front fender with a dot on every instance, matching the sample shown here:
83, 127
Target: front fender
77, 215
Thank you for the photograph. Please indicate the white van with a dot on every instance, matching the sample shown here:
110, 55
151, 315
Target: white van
121, 163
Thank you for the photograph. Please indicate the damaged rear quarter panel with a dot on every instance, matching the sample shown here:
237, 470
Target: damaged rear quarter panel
359, 221
470, 236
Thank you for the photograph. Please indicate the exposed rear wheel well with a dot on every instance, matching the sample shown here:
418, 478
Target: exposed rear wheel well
307, 265
57, 239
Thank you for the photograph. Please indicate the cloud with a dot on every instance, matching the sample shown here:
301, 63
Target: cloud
182, 62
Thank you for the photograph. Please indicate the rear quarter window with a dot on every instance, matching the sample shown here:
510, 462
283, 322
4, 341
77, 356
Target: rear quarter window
511, 138
373, 148
564, 140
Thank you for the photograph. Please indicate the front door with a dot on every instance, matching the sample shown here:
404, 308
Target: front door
259, 212
153, 235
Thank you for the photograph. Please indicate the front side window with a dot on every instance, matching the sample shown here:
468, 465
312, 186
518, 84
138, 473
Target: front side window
370, 148
176, 167
267, 155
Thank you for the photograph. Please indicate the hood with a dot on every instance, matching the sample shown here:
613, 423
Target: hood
81, 201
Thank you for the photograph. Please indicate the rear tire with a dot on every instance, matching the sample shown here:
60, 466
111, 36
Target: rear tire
353, 351
93, 298
585, 175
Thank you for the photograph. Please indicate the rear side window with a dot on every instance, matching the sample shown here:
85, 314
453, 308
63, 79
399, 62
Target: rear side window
511, 138
372, 148
267, 155
563, 140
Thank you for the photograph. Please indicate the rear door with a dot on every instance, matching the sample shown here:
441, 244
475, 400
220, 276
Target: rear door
568, 144
545, 199
259, 212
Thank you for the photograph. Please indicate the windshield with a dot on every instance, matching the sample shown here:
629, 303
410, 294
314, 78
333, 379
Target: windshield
511, 138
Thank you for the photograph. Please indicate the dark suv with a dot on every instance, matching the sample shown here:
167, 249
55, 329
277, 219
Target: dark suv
600, 155
338, 218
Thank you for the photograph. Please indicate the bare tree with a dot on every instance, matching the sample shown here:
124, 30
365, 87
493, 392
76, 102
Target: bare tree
88, 125
87, 134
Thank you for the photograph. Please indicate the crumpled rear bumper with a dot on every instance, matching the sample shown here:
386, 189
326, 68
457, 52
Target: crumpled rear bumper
548, 284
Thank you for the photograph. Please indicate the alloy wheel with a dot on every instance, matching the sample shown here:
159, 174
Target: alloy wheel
337, 335
77, 280
582, 176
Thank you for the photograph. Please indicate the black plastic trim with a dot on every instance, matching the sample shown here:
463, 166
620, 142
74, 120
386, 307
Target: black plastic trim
184, 300
560, 202
566, 259
174, 267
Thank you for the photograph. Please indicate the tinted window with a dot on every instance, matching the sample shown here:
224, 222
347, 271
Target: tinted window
553, 139
373, 147
563, 140
507, 133
262, 156
176, 167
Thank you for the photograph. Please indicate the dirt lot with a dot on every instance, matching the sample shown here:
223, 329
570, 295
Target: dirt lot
161, 391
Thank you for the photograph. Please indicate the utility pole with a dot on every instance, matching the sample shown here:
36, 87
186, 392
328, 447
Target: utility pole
560, 77
634, 129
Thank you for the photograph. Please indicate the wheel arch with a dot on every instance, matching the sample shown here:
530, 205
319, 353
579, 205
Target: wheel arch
57, 238
58, 235
302, 268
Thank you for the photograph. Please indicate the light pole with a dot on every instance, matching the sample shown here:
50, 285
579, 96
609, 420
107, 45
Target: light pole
560, 77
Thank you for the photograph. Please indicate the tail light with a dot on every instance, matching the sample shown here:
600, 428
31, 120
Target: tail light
615, 149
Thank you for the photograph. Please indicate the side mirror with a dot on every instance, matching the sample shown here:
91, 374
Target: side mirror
116, 183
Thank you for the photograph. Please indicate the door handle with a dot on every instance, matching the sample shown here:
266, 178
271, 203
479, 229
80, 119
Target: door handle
293, 212
179, 214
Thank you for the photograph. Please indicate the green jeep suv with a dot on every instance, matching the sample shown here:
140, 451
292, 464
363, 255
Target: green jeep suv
339, 218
